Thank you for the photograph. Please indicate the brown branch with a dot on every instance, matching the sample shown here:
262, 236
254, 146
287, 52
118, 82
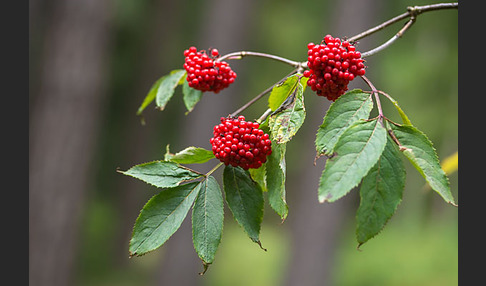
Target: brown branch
260, 95
412, 12
241, 54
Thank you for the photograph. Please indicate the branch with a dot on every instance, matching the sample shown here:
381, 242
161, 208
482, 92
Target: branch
390, 41
377, 98
253, 100
241, 54
412, 12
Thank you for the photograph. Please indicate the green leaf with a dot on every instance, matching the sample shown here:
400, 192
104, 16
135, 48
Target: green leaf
404, 117
258, 175
190, 155
381, 193
346, 110
285, 123
161, 174
207, 220
357, 151
167, 87
191, 96
281, 91
245, 200
420, 152
161, 217
151, 95
275, 180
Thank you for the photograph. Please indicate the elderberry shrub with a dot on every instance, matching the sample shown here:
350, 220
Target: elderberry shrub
205, 73
237, 142
332, 65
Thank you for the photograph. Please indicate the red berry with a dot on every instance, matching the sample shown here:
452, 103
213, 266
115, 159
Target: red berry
332, 65
248, 148
205, 73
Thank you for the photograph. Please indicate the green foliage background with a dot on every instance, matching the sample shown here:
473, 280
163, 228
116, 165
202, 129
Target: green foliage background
419, 244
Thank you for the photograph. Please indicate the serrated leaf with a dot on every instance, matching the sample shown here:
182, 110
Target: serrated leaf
380, 193
207, 220
191, 96
275, 180
420, 152
151, 95
161, 217
167, 87
161, 174
285, 123
282, 91
357, 151
191, 155
245, 200
346, 110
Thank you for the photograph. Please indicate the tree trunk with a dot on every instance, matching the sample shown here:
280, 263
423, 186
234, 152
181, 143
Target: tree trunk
63, 123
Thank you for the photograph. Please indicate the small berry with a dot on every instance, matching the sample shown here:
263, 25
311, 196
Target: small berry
205, 73
332, 65
247, 148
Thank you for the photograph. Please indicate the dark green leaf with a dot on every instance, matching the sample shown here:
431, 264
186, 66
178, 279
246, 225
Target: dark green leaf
161, 217
191, 96
275, 178
167, 87
381, 193
245, 200
420, 152
346, 110
161, 174
357, 151
151, 95
191, 155
285, 123
207, 220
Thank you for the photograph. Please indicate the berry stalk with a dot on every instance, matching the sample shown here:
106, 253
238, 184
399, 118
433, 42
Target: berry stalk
242, 54
377, 98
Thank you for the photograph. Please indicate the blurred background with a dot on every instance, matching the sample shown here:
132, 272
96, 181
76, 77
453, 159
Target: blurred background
92, 63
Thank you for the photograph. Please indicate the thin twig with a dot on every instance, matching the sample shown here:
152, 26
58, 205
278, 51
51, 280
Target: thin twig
241, 54
260, 95
390, 41
377, 98
411, 12
264, 116
212, 170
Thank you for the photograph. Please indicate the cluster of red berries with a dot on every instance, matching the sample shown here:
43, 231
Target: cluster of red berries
205, 73
237, 142
332, 65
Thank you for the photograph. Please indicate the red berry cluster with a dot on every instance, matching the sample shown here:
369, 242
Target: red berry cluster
205, 73
332, 65
237, 142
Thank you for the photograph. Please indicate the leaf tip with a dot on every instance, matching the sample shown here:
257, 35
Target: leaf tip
260, 244
324, 199
206, 266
